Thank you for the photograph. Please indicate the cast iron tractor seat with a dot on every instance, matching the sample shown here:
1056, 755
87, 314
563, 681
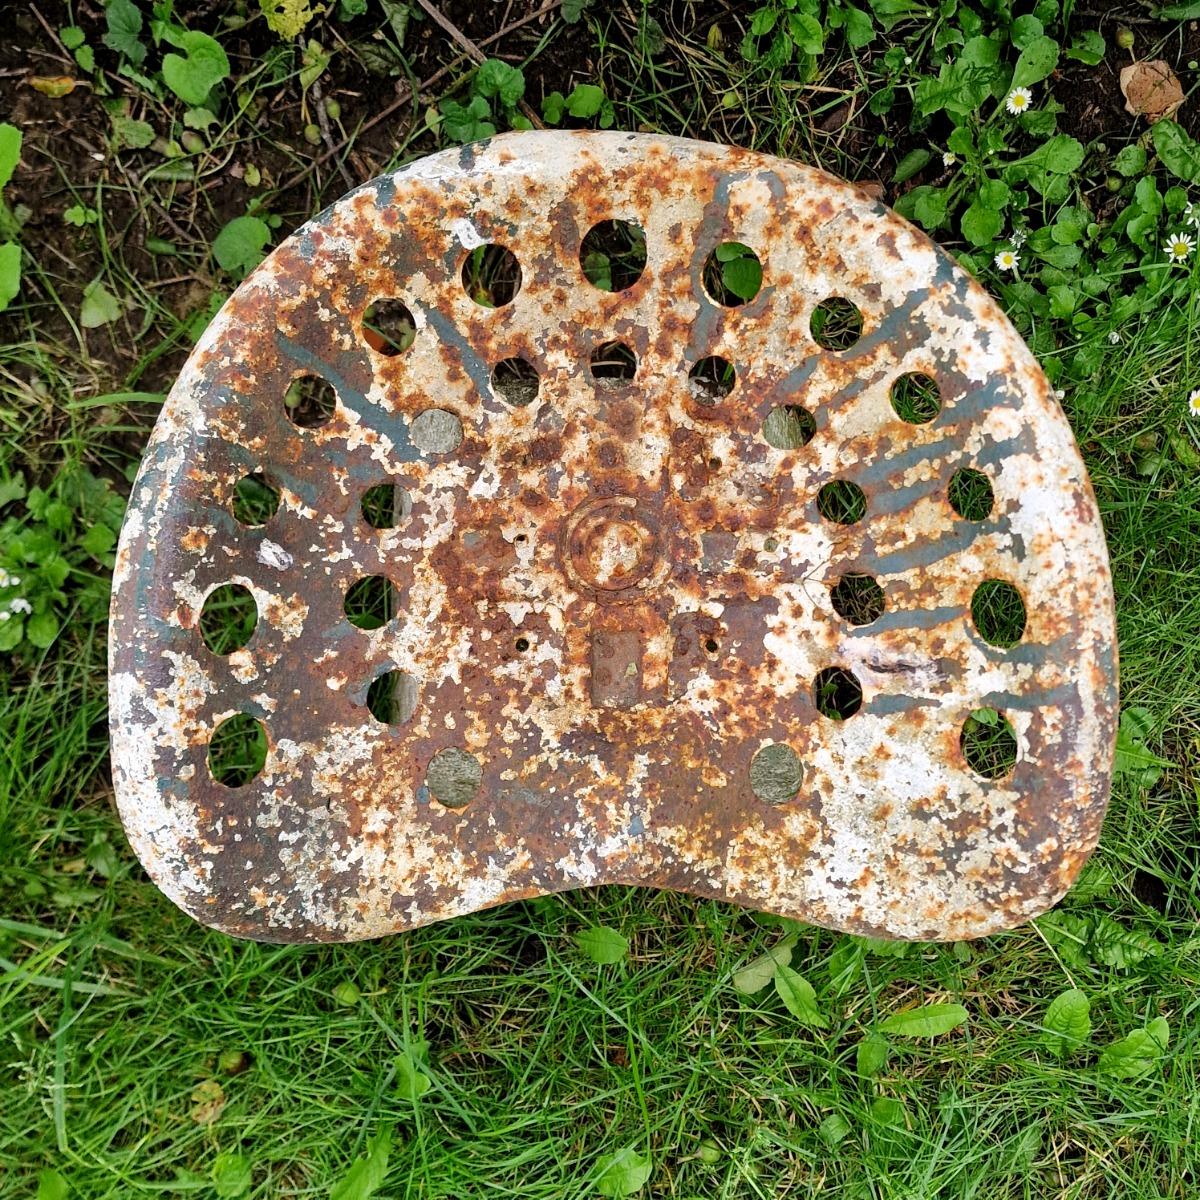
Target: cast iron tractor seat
611, 508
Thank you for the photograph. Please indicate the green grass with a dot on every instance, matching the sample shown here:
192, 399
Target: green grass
138, 1048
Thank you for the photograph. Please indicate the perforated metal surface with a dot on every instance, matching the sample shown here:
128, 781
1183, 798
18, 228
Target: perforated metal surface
621, 608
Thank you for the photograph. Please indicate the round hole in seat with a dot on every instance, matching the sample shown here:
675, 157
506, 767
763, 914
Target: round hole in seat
228, 617
237, 750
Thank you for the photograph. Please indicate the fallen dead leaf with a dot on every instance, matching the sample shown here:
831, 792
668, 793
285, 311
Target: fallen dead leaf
1151, 90
208, 1100
53, 86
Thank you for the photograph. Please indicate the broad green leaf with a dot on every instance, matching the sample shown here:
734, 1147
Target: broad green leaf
806, 32
1024, 30
411, 1082
799, 998
98, 540
366, 1174
72, 37
1063, 300
603, 945
1037, 61
240, 245
1132, 757
231, 1175
981, 226
835, 1128
1087, 46
41, 629
623, 1173
742, 276
1116, 946
929, 208
1179, 152
497, 78
910, 164
99, 307
757, 973
124, 25
12, 632
51, 1185
763, 21
1067, 1022
10, 151
1137, 1053
137, 135
860, 30
871, 1056
206, 64
586, 100
929, 1020
10, 272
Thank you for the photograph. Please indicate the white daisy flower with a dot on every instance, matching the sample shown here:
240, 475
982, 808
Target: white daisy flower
5, 615
21, 605
948, 159
5, 580
1018, 101
1180, 246
1114, 338
1018, 238
1007, 260
1194, 403
1191, 214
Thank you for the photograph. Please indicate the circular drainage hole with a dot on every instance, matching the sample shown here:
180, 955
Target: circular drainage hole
388, 327
732, 274
613, 362
392, 697
370, 602
836, 324
970, 494
386, 505
989, 743
858, 598
842, 502
228, 617
711, 380
255, 501
309, 401
613, 255
515, 381
999, 613
788, 427
237, 750
916, 398
837, 693
491, 276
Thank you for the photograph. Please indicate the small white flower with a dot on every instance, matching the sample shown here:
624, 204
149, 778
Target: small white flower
1018, 238
908, 60
1180, 246
948, 159
5, 615
1114, 338
5, 581
1019, 100
1059, 394
1191, 214
1007, 260
1194, 403
14, 581
21, 605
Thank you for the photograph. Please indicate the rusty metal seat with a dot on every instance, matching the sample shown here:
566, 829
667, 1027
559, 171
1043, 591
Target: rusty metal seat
611, 508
